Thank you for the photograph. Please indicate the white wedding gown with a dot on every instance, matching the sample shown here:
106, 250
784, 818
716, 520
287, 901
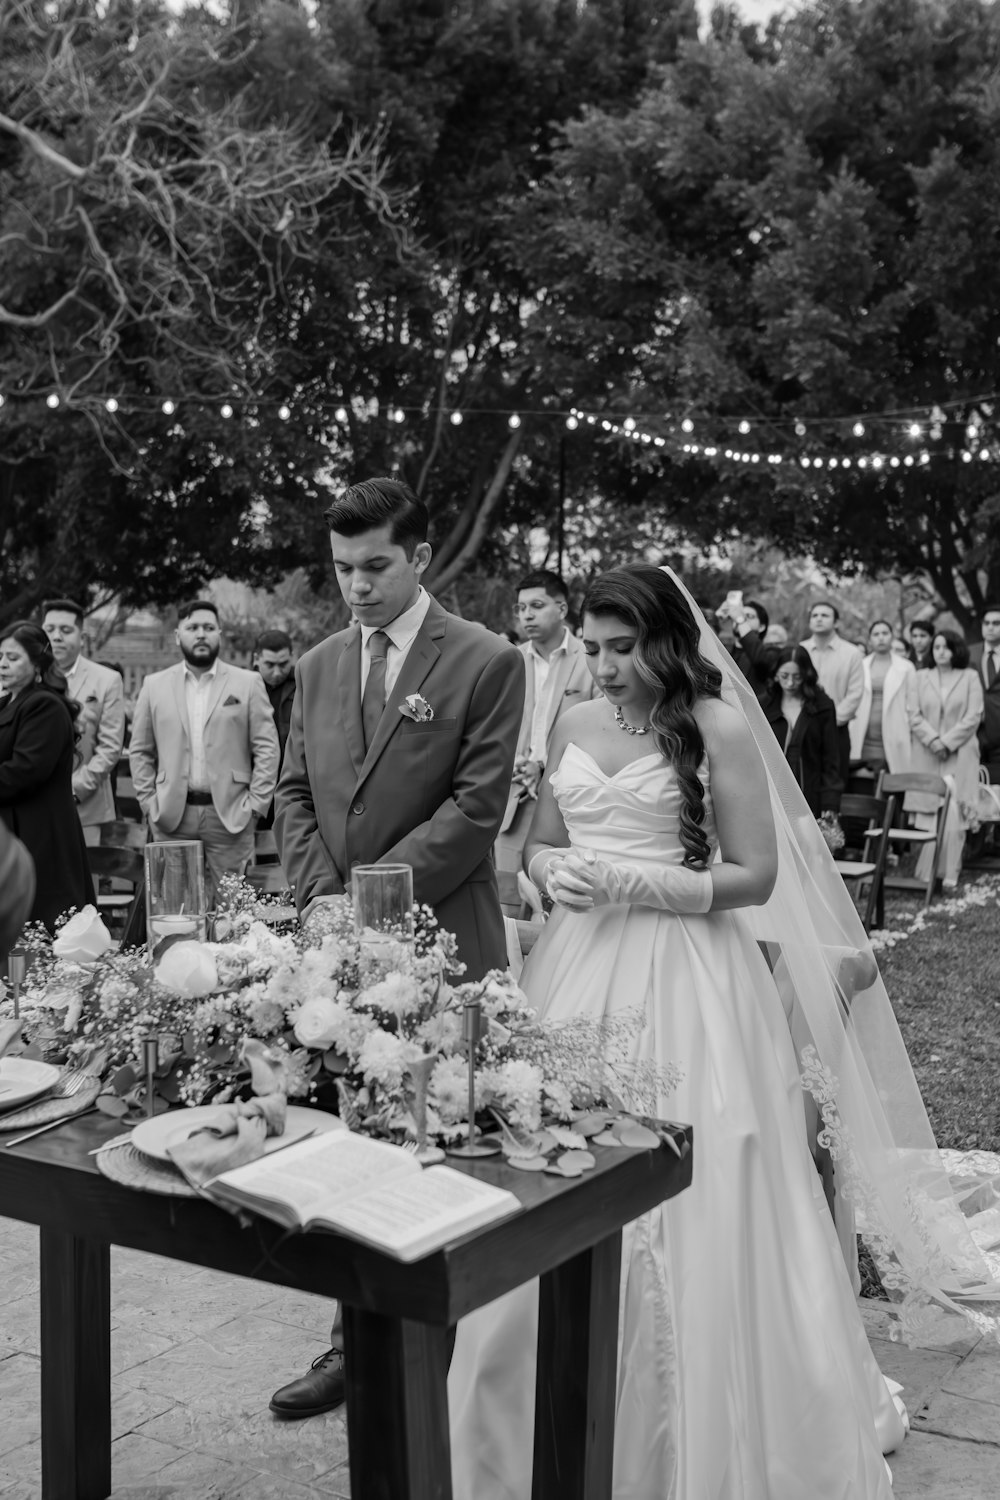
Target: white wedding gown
744, 1370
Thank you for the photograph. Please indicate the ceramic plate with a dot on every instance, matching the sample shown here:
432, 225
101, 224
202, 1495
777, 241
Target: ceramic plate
153, 1137
21, 1080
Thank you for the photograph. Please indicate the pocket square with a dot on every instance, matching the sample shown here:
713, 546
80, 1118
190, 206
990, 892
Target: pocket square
228, 702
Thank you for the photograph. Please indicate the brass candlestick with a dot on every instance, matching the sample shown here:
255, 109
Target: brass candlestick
17, 964
472, 1024
151, 1061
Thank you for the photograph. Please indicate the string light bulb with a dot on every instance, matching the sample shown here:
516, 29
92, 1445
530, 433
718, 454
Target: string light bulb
915, 430
111, 404
858, 429
572, 423
225, 410
744, 427
284, 412
168, 408
687, 425
456, 419
513, 421
341, 414
52, 400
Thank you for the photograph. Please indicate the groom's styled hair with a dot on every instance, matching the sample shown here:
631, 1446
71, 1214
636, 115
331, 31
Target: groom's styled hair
376, 502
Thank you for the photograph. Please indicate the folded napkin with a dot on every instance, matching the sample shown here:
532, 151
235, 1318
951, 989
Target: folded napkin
9, 1033
236, 1138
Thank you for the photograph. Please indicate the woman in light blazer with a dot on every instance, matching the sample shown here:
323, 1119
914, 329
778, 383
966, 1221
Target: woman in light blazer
945, 706
880, 730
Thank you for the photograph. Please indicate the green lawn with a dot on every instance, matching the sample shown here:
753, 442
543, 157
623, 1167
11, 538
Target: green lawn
944, 984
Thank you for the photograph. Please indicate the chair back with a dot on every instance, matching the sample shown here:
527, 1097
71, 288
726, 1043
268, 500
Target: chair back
119, 854
126, 801
268, 879
911, 781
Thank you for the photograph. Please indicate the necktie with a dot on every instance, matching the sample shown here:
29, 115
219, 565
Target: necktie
373, 701
991, 668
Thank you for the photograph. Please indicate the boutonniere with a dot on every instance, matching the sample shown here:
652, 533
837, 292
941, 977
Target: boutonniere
416, 708
228, 703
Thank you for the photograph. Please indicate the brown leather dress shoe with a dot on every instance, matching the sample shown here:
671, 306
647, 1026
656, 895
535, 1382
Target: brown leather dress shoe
321, 1390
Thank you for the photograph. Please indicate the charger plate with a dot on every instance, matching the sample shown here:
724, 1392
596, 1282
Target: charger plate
122, 1163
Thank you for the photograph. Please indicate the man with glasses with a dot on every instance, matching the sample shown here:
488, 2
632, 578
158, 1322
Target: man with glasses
985, 659
556, 678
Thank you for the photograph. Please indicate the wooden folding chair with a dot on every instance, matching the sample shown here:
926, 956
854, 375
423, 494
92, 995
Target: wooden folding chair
897, 784
265, 847
876, 813
119, 856
126, 802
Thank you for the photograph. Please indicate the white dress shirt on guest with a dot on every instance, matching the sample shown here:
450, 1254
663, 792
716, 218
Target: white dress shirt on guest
196, 690
402, 632
841, 675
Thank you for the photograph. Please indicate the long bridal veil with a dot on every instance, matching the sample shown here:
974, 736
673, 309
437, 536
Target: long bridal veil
935, 1247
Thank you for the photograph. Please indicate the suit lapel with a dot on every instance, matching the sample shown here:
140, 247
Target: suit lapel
180, 698
216, 690
419, 659
348, 692
560, 682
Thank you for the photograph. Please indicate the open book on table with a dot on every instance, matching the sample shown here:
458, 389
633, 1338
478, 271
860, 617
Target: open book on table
367, 1189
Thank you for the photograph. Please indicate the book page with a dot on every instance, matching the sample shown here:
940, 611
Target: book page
314, 1176
418, 1213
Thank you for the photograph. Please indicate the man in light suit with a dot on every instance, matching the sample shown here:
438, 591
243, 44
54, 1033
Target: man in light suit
985, 659
101, 724
204, 749
401, 748
556, 677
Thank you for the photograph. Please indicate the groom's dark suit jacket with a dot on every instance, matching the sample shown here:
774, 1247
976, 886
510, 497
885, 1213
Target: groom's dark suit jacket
430, 795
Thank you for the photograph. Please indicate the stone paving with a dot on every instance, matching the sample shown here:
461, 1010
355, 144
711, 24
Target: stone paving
195, 1356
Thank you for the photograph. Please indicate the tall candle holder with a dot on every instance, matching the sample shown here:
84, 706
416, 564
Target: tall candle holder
17, 964
150, 1062
176, 908
383, 907
472, 1025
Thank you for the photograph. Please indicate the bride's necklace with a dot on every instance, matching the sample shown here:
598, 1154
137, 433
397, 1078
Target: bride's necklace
623, 723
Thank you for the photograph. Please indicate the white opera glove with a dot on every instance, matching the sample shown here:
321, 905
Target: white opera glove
581, 882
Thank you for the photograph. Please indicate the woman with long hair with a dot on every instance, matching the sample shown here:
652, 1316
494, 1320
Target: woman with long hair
744, 1370
677, 849
37, 747
804, 721
945, 706
880, 730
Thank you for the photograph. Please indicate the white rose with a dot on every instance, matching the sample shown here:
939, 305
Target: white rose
188, 969
84, 938
319, 1022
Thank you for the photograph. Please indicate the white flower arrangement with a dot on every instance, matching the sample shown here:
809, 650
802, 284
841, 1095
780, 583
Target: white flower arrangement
340, 1025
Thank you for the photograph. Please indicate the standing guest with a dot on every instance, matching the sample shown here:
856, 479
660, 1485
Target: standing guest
775, 635
749, 650
17, 888
901, 648
37, 751
204, 750
921, 635
946, 706
838, 667
985, 659
556, 677
880, 730
401, 750
101, 725
274, 661
805, 724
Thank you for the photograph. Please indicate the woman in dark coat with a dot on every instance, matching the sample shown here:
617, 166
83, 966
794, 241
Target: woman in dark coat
804, 720
37, 745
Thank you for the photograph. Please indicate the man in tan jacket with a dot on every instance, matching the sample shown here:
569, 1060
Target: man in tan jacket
101, 724
204, 749
556, 677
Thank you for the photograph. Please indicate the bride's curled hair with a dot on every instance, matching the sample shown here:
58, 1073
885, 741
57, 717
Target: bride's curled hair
668, 658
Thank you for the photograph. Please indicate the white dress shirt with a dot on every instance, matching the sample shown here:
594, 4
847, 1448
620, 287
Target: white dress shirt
543, 675
196, 690
402, 632
839, 667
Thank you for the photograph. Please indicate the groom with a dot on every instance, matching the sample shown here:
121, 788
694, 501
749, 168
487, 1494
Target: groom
400, 749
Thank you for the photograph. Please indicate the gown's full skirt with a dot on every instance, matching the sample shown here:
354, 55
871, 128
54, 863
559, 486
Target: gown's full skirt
744, 1372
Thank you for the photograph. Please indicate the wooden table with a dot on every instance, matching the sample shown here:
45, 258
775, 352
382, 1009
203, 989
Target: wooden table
396, 1317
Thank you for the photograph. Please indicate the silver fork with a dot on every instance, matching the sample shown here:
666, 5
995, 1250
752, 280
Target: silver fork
70, 1082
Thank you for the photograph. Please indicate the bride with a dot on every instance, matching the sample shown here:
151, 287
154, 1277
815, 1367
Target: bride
680, 868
